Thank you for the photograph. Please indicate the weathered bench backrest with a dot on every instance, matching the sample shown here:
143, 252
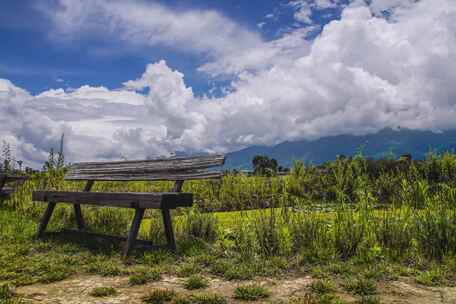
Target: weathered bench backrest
174, 169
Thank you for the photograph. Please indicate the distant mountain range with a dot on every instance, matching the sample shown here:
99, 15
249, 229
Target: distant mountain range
378, 145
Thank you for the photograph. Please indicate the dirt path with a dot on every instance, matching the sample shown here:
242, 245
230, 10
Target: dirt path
77, 289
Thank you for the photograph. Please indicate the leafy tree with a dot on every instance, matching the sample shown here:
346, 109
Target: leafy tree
263, 165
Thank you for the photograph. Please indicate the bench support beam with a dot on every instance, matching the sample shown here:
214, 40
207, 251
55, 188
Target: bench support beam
45, 219
133, 234
78, 216
168, 223
77, 207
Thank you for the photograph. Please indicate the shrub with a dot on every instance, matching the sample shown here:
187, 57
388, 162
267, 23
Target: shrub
196, 282
144, 276
159, 296
251, 292
322, 286
207, 298
361, 286
6, 293
433, 277
369, 300
186, 269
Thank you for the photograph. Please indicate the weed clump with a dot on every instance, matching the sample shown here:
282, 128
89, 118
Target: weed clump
207, 298
6, 293
159, 296
322, 286
144, 276
361, 286
251, 292
432, 277
196, 282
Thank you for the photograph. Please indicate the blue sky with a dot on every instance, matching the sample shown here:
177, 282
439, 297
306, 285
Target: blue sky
135, 79
36, 60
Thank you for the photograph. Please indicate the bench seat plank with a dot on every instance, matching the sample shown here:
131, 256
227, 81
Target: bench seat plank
12, 178
120, 176
144, 200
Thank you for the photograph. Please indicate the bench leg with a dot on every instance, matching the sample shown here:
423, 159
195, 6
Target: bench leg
78, 216
45, 219
169, 229
139, 213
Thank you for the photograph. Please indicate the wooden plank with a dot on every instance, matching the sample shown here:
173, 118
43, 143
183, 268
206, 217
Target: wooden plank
12, 178
168, 223
178, 186
140, 176
45, 219
133, 233
88, 185
167, 220
77, 207
153, 165
78, 216
118, 199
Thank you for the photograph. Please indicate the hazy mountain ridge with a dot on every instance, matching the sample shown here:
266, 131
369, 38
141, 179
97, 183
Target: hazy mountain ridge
376, 145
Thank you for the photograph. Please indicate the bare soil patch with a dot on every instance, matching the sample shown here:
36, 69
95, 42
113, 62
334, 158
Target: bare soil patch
77, 290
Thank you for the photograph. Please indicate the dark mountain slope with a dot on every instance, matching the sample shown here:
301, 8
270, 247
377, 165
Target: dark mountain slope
377, 145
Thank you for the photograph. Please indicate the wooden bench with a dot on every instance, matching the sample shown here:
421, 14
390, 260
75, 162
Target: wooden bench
5, 178
177, 169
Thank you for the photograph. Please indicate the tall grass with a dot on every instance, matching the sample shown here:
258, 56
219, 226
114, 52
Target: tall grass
349, 208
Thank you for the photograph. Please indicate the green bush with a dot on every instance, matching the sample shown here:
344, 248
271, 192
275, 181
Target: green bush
102, 292
196, 282
207, 298
251, 292
144, 276
361, 286
159, 296
6, 293
322, 286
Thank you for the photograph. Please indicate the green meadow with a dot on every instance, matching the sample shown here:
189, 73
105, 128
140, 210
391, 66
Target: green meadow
351, 224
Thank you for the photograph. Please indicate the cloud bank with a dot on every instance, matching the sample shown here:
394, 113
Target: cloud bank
364, 72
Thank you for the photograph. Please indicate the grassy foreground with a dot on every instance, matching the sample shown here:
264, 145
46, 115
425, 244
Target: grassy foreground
351, 225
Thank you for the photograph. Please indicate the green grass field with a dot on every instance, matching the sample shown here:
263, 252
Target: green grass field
349, 228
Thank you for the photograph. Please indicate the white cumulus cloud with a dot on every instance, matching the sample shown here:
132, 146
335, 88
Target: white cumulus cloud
363, 72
